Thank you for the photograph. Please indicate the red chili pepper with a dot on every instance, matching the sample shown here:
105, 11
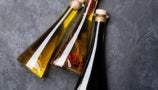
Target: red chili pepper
75, 61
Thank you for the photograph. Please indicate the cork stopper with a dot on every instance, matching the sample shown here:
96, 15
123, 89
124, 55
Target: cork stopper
76, 4
100, 15
101, 12
81, 1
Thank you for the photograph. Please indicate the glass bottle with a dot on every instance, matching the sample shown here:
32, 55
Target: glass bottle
98, 54
38, 55
73, 54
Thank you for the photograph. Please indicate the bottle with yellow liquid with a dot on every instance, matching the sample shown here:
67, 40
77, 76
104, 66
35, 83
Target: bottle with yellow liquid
73, 54
36, 58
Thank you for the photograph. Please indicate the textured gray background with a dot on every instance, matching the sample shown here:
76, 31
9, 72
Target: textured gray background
131, 44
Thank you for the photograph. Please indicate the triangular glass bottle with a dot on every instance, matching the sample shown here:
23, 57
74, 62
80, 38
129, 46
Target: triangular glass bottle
73, 54
87, 79
38, 55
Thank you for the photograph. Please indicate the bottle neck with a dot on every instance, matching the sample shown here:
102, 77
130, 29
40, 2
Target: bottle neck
99, 25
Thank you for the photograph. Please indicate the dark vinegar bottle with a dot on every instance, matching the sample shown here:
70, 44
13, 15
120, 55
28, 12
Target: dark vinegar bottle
93, 76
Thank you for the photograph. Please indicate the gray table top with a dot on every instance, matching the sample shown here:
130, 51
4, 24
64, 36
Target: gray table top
131, 44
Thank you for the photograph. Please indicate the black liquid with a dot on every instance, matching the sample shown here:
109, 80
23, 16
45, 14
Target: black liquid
98, 78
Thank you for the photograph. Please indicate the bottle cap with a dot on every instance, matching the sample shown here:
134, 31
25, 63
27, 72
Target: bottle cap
100, 15
101, 12
81, 1
76, 4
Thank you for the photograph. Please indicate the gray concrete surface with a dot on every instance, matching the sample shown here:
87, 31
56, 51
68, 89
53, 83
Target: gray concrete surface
131, 48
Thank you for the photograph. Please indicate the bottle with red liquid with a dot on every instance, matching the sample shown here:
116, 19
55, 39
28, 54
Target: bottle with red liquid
73, 55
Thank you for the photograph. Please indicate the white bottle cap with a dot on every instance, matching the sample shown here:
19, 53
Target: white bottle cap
81, 1
101, 12
100, 15
76, 4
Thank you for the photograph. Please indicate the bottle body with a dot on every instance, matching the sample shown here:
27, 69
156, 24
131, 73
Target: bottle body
37, 56
78, 54
97, 79
93, 76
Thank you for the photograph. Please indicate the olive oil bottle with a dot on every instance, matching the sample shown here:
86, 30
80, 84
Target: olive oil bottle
87, 81
73, 54
38, 55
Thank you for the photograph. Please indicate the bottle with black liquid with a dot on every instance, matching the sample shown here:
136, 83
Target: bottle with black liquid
93, 76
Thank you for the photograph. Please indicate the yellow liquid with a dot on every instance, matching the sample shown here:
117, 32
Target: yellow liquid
77, 56
38, 55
